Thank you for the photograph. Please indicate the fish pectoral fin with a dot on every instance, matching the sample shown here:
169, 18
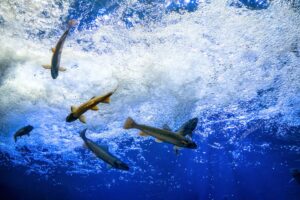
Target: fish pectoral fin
82, 119
62, 69
167, 127
143, 133
73, 109
46, 66
95, 108
53, 49
109, 166
158, 140
106, 100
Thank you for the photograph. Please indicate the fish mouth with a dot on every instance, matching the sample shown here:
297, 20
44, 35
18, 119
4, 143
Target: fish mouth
54, 74
70, 118
121, 165
29, 128
192, 145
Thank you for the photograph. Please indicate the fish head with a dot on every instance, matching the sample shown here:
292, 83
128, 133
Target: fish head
29, 128
54, 73
192, 145
189, 144
70, 118
121, 165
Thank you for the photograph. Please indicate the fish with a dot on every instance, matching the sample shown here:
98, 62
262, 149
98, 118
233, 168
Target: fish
77, 112
55, 61
23, 131
185, 130
161, 135
103, 153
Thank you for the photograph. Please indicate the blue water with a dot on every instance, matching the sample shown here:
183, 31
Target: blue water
234, 65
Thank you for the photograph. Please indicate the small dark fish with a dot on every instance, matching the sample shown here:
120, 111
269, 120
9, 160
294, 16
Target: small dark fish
23, 131
103, 153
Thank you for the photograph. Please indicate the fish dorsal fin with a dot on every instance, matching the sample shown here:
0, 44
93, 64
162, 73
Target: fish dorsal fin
93, 97
158, 140
73, 109
109, 166
82, 119
53, 49
167, 127
95, 108
105, 147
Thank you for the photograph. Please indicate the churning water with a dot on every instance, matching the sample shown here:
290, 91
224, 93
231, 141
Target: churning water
233, 64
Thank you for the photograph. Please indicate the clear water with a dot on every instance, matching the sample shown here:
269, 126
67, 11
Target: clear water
233, 64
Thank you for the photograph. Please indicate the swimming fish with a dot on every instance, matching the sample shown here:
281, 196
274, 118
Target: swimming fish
23, 131
77, 112
161, 135
103, 153
55, 62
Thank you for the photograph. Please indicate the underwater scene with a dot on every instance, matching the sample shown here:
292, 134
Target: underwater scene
150, 99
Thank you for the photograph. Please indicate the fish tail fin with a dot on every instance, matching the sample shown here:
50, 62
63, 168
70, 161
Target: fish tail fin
72, 23
82, 134
129, 123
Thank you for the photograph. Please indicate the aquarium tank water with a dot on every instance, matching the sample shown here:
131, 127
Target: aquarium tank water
96, 98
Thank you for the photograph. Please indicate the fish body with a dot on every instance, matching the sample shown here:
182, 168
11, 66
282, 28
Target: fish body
23, 131
103, 153
77, 112
56, 57
161, 134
